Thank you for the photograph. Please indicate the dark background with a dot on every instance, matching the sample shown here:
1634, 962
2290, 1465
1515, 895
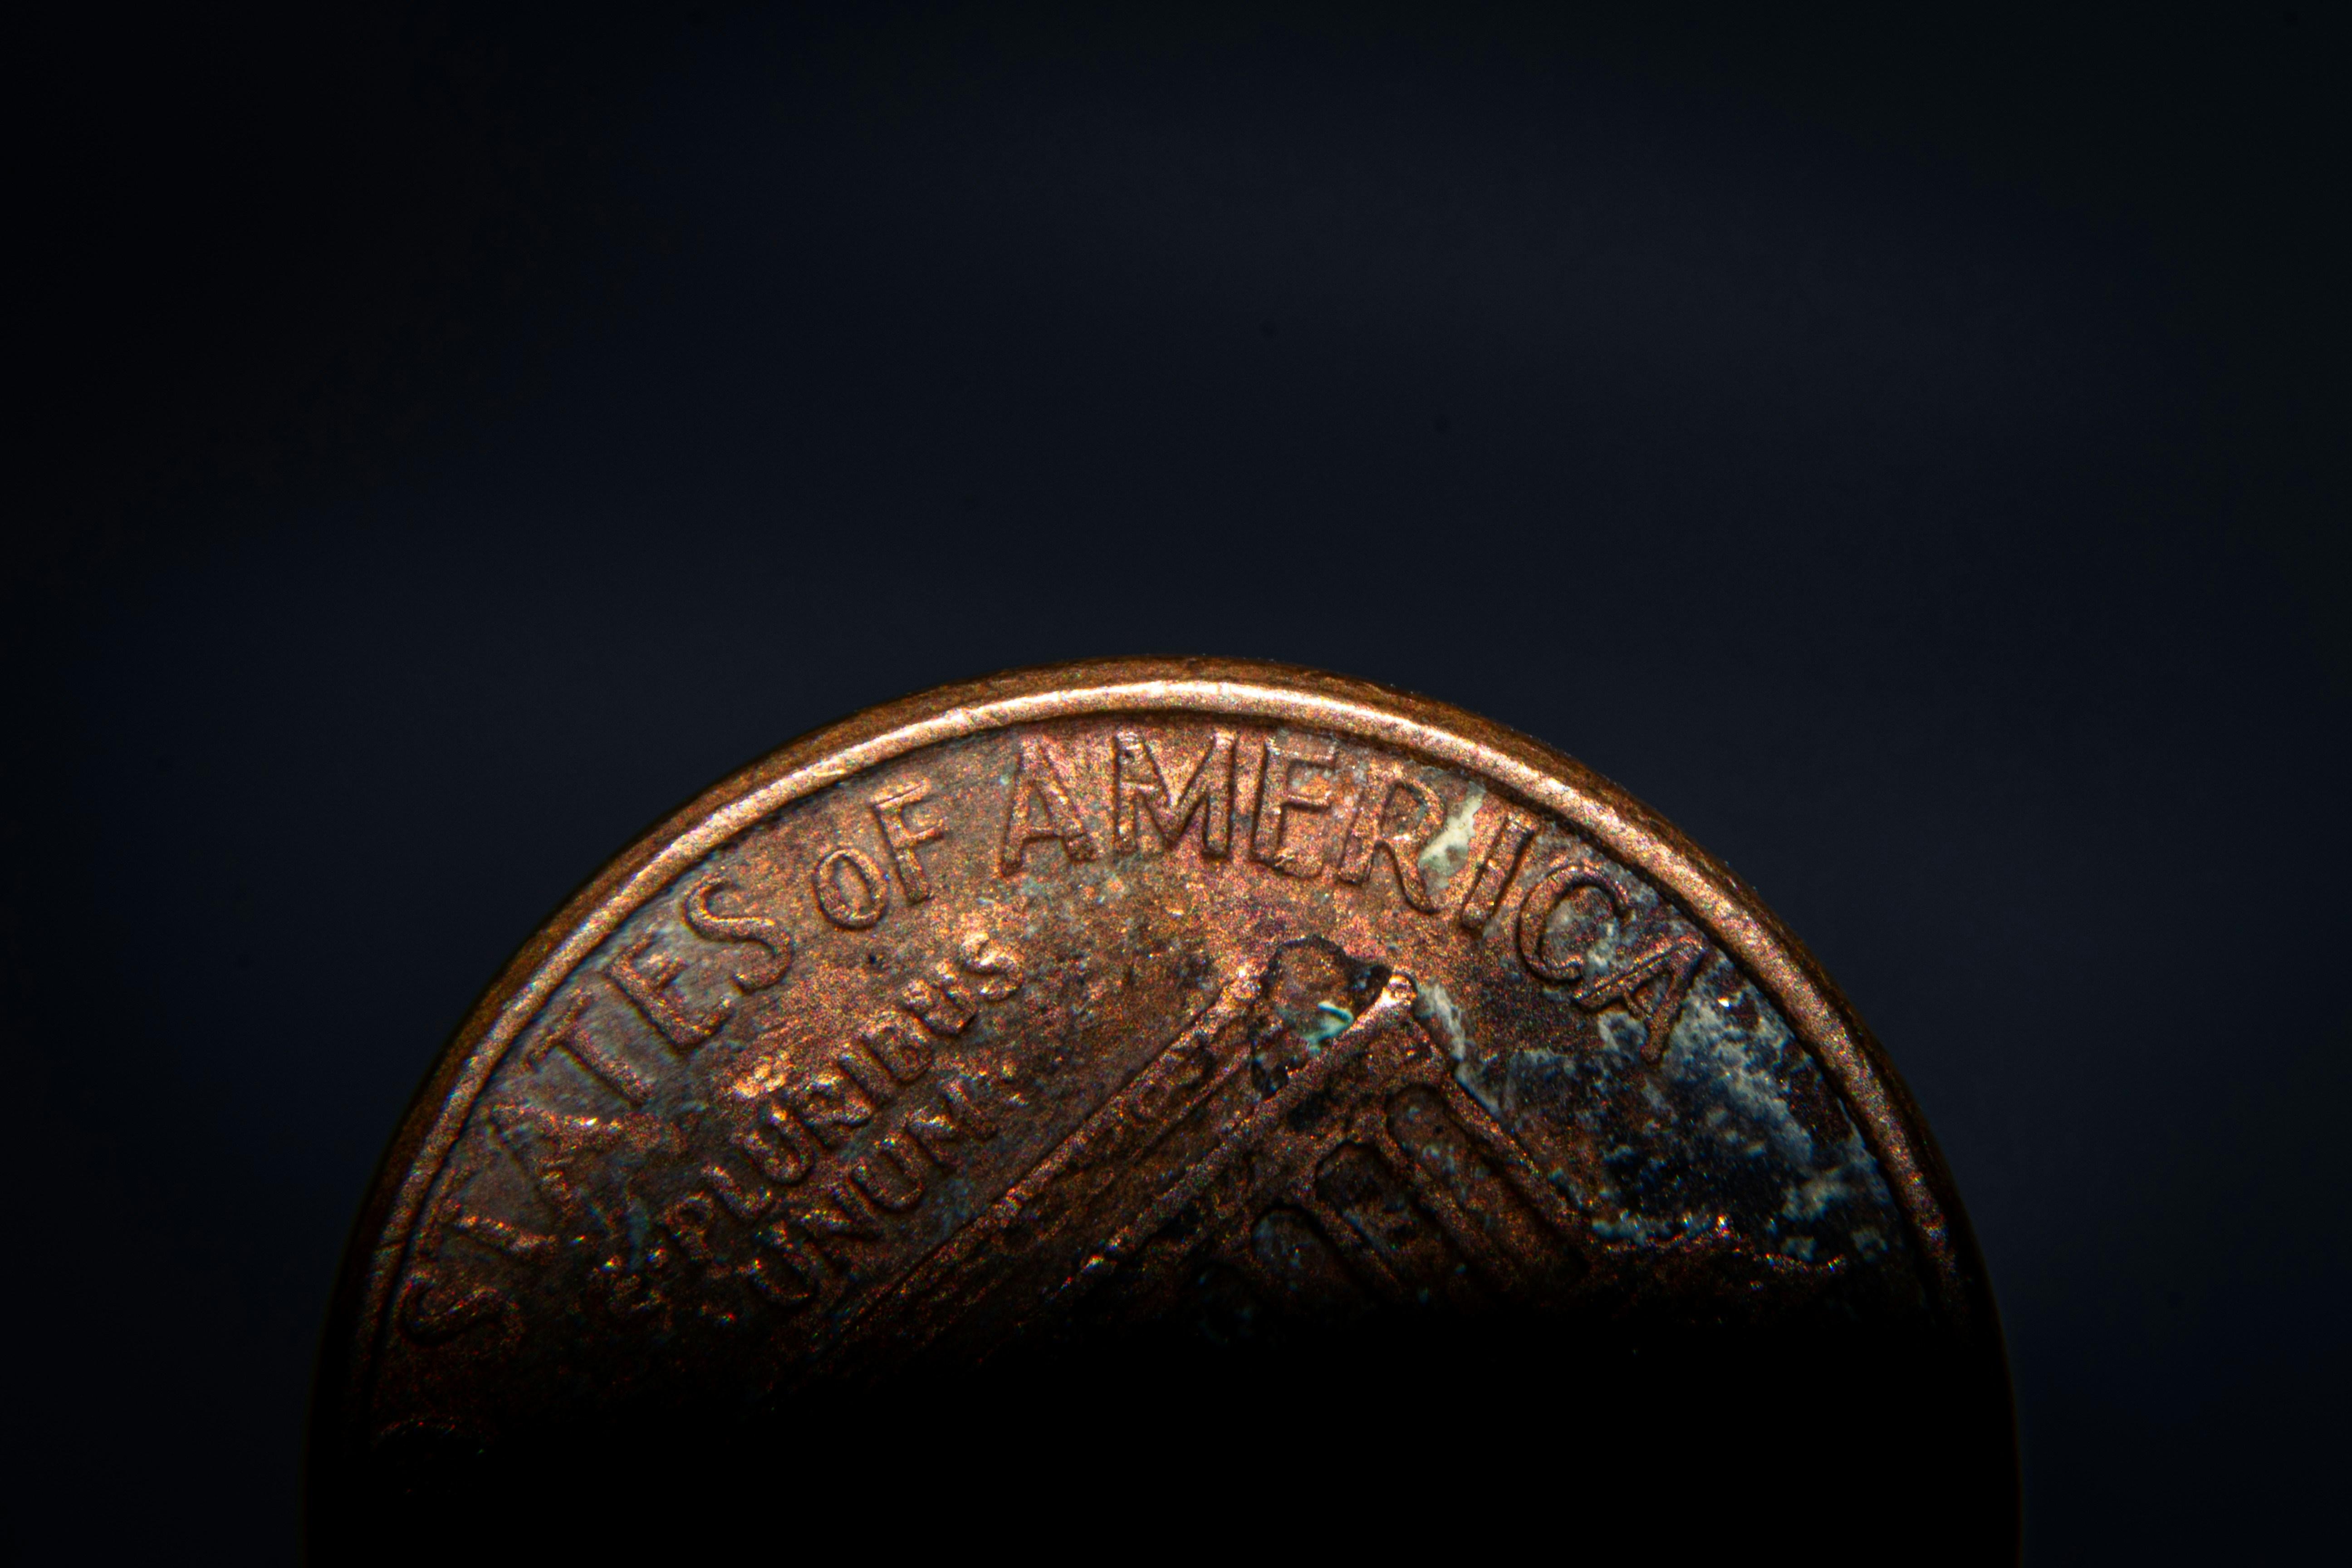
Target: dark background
1908, 451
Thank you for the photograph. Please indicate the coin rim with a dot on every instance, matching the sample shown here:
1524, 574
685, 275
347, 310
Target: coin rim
1706, 890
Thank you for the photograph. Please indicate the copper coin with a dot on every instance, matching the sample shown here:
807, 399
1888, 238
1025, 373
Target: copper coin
1094, 1077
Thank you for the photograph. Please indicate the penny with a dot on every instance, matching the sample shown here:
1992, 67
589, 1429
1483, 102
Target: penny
1126, 1068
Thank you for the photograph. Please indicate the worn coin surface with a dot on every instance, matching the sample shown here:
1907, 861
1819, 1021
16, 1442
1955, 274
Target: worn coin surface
1092, 1077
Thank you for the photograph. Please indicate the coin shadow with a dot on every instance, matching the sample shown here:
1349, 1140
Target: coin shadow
1419, 1431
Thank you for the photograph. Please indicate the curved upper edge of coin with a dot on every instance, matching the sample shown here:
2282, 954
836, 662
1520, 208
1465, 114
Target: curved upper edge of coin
645, 1090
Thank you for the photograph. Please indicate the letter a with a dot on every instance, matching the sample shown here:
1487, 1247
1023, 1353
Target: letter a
1043, 781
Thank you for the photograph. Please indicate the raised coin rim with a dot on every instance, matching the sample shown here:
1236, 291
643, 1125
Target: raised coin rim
1706, 890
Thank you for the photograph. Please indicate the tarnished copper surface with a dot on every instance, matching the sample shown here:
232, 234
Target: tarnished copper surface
1127, 1041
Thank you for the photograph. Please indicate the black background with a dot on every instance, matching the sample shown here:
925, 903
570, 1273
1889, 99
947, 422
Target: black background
1907, 452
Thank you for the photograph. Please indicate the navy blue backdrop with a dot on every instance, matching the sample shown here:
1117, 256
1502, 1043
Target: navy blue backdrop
1907, 453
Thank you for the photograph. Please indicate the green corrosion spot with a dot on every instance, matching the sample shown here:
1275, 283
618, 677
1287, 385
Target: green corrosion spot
1335, 1020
